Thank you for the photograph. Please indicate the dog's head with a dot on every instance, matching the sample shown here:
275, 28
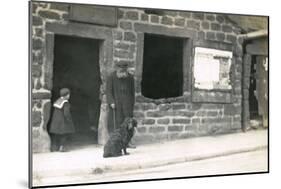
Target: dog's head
130, 123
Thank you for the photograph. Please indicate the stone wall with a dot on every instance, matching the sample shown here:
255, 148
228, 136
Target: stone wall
41, 81
182, 117
196, 113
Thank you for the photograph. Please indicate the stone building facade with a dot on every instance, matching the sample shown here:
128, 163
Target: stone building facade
194, 113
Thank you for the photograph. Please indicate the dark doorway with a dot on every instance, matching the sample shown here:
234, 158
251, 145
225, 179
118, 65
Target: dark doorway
76, 66
162, 66
253, 95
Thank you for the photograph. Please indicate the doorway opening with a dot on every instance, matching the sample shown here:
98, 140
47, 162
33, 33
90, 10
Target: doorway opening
162, 66
76, 66
255, 117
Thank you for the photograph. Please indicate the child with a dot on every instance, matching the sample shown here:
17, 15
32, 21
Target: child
61, 124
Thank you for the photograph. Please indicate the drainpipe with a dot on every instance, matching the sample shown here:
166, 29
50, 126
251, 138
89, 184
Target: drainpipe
253, 35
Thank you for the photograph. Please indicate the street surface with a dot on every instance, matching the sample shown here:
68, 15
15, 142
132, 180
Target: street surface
238, 163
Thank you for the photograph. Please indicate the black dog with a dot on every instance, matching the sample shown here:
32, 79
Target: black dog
120, 139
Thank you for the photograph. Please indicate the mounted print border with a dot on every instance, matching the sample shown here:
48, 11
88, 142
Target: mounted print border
198, 76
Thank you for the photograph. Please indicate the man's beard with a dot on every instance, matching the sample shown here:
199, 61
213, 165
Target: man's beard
122, 74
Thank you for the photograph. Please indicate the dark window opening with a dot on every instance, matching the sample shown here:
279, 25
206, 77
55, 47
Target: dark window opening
76, 66
162, 75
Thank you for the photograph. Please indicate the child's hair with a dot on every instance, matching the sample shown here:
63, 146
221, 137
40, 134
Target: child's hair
64, 91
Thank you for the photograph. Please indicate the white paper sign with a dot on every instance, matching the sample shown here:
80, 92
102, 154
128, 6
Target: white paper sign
208, 64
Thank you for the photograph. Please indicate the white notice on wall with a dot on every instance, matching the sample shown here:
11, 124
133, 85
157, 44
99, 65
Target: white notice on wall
207, 67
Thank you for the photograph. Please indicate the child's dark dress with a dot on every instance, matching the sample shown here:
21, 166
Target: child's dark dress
61, 122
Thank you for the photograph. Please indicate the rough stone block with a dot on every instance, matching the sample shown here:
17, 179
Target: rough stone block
118, 36
36, 118
139, 115
37, 58
179, 22
156, 129
230, 109
226, 28
210, 35
198, 16
181, 121
128, 62
210, 17
148, 106
175, 128
167, 20
216, 120
178, 106
38, 85
185, 113
170, 13
196, 106
185, 14
41, 95
220, 18
132, 15
193, 24
220, 36
212, 113
34, 7
39, 32
36, 71
165, 107
123, 46
130, 36
201, 35
239, 50
126, 25
37, 21
195, 120
49, 14
163, 121
37, 44
154, 19
231, 38
144, 17
215, 27
120, 14
148, 121
60, 6
121, 53
154, 114
43, 5
201, 113
205, 25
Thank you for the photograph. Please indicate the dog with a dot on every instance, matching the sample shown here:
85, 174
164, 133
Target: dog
120, 139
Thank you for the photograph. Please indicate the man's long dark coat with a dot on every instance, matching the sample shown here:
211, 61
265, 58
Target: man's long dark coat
121, 92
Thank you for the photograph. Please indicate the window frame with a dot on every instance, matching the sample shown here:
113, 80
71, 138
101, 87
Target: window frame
187, 37
214, 95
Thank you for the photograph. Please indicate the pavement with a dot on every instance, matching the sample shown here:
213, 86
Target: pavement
61, 167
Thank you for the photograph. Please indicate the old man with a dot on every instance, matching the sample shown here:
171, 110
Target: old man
120, 92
